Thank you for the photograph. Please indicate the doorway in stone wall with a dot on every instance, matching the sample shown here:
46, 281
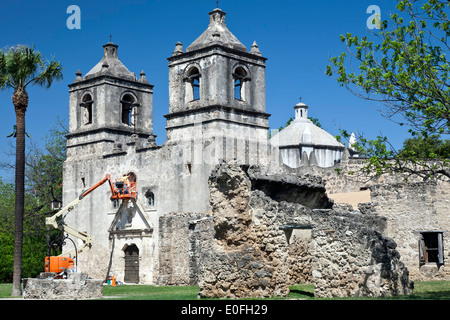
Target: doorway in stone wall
131, 264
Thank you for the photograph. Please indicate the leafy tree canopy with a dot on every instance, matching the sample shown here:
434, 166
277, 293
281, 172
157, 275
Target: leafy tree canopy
404, 67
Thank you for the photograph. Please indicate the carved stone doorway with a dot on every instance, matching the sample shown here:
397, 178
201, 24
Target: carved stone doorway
131, 264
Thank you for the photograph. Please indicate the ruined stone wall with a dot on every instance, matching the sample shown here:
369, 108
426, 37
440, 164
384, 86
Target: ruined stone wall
182, 238
409, 209
250, 256
76, 287
347, 176
254, 246
351, 258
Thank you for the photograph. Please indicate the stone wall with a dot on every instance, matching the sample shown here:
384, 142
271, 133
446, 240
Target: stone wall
411, 208
249, 256
257, 221
182, 238
76, 287
346, 176
350, 257
266, 233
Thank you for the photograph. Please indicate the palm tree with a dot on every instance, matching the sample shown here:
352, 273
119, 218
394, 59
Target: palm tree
20, 67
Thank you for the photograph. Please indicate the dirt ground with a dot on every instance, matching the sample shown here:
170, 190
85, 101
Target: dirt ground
352, 198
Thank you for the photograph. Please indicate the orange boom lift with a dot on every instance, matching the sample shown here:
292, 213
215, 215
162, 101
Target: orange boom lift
121, 189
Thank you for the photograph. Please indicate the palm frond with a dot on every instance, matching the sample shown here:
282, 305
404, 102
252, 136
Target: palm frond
21, 66
2, 62
4, 77
51, 73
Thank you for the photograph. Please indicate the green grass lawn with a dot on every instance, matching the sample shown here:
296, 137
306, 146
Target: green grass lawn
423, 290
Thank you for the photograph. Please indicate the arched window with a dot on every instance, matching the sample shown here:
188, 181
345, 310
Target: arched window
193, 85
128, 110
239, 83
87, 109
149, 195
196, 88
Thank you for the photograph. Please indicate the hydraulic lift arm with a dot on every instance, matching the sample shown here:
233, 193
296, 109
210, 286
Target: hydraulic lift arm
87, 239
52, 221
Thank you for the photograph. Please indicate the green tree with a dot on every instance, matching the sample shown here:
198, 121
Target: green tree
405, 69
34, 235
427, 148
21, 67
44, 167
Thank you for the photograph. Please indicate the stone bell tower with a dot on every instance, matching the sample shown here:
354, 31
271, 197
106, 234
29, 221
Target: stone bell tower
108, 106
110, 129
217, 90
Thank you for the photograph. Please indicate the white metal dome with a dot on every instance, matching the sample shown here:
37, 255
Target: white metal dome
302, 135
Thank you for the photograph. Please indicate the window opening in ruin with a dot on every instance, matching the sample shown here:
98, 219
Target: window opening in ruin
87, 109
128, 110
239, 83
193, 85
431, 248
150, 196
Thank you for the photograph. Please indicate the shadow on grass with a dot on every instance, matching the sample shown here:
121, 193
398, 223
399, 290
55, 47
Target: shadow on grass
301, 293
441, 295
424, 290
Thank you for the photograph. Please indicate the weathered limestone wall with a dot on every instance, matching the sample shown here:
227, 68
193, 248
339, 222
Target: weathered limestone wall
409, 209
177, 175
257, 233
350, 257
345, 177
182, 238
249, 257
77, 287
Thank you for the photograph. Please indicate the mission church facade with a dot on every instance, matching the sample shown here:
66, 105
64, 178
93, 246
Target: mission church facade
216, 114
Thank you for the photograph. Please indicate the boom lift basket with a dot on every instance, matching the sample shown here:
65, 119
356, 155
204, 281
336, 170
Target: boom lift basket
123, 190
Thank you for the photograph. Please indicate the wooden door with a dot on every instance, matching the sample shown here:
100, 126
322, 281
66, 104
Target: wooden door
131, 264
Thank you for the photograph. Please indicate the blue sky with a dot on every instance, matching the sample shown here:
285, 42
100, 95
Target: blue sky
297, 37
